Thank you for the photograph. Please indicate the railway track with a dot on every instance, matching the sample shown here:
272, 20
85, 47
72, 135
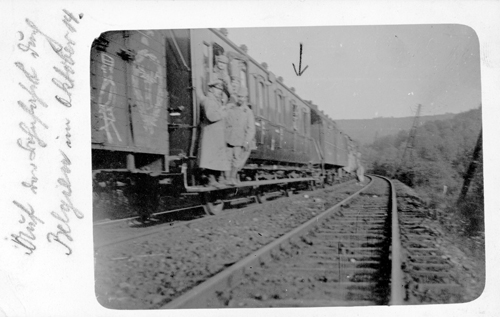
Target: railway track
258, 257
340, 257
348, 256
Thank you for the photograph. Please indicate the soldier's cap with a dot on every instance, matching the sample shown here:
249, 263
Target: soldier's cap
243, 92
216, 83
222, 59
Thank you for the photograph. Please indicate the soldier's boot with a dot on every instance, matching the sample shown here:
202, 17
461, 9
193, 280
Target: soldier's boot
229, 178
224, 179
213, 182
234, 176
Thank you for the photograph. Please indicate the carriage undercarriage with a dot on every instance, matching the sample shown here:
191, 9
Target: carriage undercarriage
125, 192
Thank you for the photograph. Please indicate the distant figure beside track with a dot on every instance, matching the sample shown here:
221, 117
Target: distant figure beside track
360, 170
240, 133
212, 155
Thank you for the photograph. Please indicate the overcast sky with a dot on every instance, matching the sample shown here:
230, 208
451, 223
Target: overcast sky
361, 72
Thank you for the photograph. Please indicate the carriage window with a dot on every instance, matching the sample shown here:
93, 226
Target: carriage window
243, 75
280, 108
295, 114
288, 113
217, 50
206, 56
299, 120
272, 111
304, 121
257, 98
207, 67
261, 98
283, 103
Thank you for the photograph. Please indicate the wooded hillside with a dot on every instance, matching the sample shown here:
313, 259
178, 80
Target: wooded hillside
437, 163
365, 131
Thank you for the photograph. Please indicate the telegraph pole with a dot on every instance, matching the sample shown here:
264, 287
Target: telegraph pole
411, 138
472, 168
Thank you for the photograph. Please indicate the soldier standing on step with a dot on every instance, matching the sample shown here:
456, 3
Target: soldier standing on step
240, 133
212, 154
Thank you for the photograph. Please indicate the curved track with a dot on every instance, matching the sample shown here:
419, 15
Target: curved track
284, 253
340, 257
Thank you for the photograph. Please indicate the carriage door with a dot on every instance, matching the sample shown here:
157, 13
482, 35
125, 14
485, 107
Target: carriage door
146, 89
179, 88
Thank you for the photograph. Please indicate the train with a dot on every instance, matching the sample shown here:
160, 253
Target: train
145, 120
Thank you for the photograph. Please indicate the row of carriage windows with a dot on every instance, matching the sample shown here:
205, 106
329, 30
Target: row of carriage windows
282, 110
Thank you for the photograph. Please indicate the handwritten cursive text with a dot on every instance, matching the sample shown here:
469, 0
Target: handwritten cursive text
35, 48
66, 206
26, 239
68, 135
33, 181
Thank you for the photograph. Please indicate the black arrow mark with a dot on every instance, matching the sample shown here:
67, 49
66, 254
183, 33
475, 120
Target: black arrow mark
300, 64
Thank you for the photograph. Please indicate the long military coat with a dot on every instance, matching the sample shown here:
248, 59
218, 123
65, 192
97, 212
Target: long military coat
212, 144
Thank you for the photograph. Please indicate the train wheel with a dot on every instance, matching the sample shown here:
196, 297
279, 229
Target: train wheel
321, 184
260, 198
287, 192
214, 208
211, 204
145, 205
312, 186
143, 196
260, 195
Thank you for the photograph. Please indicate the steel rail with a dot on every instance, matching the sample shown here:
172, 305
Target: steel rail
397, 285
147, 233
202, 295
109, 222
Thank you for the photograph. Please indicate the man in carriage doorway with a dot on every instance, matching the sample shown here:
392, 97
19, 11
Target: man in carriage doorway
240, 133
220, 72
213, 157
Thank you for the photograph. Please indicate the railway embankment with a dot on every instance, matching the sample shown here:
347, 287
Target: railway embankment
466, 253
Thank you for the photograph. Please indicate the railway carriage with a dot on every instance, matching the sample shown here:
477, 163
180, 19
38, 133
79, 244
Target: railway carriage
332, 144
146, 115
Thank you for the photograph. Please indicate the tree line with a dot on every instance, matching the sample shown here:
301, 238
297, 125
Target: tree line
436, 163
